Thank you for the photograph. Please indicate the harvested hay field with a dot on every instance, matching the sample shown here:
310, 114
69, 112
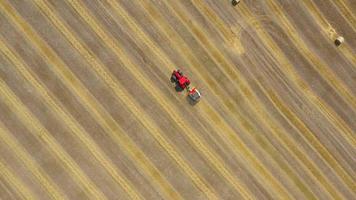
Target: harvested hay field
87, 109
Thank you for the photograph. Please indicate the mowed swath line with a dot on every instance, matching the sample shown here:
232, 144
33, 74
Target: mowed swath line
295, 80
213, 117
25, 158
100, 114
301, 156
231, 132
234, 79
306, 54
289, 144
138, 32
331, 34
95, 108
6, 190
334, 117
328, 31
162, 56
311, 169
275, 99
274, 128
245, 91
327, 111
200, 107
164, 101
228, 35
325, 182
303, 87
42, 134
316, 62
119, 52
56, 106
122, 93
15, 182
347, 14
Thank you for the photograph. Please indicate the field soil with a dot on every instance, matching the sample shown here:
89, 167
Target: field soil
88, 111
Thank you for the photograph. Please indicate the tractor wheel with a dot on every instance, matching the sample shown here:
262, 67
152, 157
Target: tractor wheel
173, 79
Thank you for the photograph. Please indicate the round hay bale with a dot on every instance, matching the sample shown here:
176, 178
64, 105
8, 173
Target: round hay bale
339, 40
235, 2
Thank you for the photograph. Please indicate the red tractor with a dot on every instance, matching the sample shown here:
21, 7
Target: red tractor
182, 82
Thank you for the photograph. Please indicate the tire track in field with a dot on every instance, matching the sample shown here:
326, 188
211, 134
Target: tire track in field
42, 134
111, 127
160, 54
298, 123
315, 61
346, 13
303, 131
318, 174
52, 189
216, 116
245, 91
5, 189
276, 7
15, 182
338, 120
314, 171
278, 104
295, 150
227, 34
121, 93
304, 86
289, 72
136, 72
328, 30
346, 128
311, 167
210, 110
314, 99
289, 144
225, 127
56, 106
111, 41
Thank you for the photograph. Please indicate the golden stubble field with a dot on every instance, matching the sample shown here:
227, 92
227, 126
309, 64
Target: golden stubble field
87, 110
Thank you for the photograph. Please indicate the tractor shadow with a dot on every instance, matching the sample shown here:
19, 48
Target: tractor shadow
178, 88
